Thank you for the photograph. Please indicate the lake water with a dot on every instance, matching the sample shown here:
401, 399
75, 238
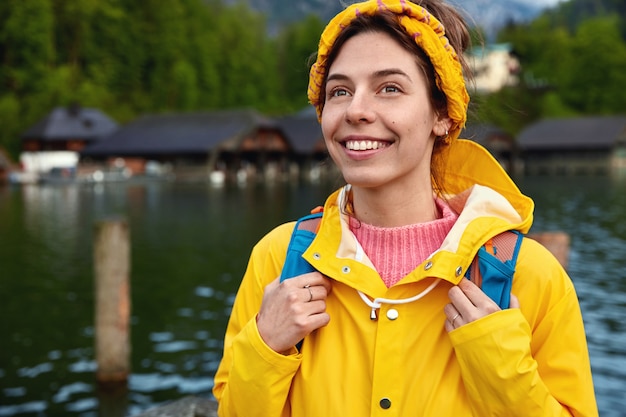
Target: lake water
190, 244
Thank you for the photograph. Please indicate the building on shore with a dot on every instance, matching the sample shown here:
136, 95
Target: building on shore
494, 66
310, 157
237, 145
245, 146
54, 142
67, 129
577, 146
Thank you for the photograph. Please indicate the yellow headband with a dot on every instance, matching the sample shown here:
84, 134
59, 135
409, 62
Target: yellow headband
428, 33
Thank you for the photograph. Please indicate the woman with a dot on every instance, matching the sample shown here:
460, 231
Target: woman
396, 242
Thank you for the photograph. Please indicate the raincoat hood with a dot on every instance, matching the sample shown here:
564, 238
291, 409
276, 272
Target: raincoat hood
488, 205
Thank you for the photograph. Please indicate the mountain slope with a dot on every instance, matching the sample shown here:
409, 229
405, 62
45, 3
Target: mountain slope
491, 15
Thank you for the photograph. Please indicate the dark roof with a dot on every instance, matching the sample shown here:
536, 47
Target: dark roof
71, 123
481, 133
308, 111
490, 136
600, 132
180, 133
303, 132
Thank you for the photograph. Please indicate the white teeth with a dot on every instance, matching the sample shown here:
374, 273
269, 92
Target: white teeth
364, 145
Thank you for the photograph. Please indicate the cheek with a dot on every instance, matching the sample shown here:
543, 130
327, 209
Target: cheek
325, 131
328, 136
328, 125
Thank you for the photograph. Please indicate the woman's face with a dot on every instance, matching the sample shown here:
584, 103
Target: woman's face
378, 121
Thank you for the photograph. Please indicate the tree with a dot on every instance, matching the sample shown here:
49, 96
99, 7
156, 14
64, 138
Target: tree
597, 79
571, 73
26, 55
296, 44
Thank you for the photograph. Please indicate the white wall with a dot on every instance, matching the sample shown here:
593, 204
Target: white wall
43, 162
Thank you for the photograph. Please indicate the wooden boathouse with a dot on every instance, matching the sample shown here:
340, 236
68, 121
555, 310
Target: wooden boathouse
199, 145
577, 146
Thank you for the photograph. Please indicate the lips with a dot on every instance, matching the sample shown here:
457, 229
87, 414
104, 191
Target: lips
365, 145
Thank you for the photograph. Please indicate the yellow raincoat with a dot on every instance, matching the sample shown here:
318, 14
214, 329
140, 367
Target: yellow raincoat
531, 361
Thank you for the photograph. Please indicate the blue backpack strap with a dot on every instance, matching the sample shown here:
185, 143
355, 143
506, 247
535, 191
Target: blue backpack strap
494, 266
303, 234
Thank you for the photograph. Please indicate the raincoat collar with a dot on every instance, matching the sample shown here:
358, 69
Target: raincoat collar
479, 190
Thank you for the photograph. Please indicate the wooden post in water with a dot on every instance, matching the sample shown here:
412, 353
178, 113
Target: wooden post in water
112, 297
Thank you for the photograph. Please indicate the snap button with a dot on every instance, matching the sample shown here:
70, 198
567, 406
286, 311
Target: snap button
428, 265
385, 403
345, 269
317, 256
458, 271
392, 314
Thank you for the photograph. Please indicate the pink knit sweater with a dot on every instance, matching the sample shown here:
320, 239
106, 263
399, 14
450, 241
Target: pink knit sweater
396, 251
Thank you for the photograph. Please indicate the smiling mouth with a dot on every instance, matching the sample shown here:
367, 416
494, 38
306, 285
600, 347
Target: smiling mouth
365, 145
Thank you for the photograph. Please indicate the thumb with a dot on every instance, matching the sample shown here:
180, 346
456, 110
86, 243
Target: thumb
514, 303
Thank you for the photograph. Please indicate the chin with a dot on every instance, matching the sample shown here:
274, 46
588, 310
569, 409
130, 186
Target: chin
363, 181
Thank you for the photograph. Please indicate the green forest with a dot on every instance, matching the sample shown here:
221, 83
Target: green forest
573, 60
130, 57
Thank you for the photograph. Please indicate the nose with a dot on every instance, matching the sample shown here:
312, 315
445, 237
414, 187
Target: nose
360, 109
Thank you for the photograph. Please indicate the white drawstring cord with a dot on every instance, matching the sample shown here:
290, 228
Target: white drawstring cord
378, 302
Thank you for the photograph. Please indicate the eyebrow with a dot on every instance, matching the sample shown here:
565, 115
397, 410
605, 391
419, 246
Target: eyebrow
377, 74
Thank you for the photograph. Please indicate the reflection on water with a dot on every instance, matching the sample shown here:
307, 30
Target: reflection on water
190, 244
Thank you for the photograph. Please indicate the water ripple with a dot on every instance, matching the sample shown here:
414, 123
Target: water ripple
35, 371
66, 392
29, 407
175, 346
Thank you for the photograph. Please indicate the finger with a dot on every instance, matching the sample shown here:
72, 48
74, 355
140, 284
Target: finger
471, 302
450, 311
314, 307
471, 290
454, 319
315, 321
477, 296
449, 327
312, 280
308, 293
514, 303
320, 292
319, 280
326, 283
459, 299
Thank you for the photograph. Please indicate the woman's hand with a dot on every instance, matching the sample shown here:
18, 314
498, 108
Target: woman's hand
292, 309
468, 303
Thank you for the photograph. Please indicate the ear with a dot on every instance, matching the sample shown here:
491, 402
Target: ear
442, 126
